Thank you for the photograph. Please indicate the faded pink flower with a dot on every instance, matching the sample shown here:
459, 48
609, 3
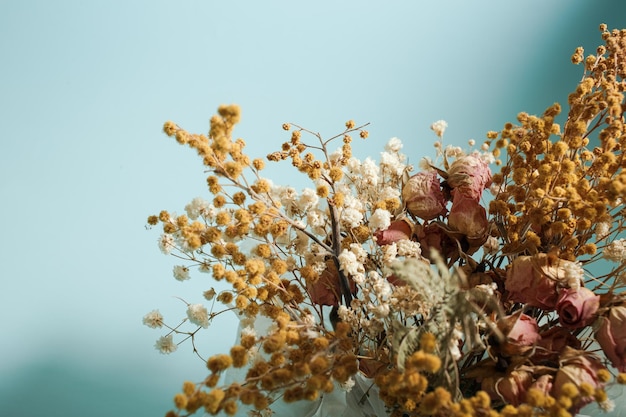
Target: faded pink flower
511, 388
398, 230
543, 383
468, 217
577, 308
577, 367
611, 335
326, 290
527, 282
469, 175
553, 341
525, 331
423, 196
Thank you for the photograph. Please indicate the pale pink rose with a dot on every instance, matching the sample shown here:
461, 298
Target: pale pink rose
552, 342
611, 335
469, 175
543, 383
527, 282
577, 367
511, 388
525, 331
468, 217
577, 308
432, 237
398, 230
326, 290
423, 196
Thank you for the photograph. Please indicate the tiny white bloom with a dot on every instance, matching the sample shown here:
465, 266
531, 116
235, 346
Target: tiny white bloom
607, 405
394, 145
198, 315
615, 251
348, 263
166, 243
602, 229
181, 273
439, 127
347, 386
351, 217
153, 319
198, 207
408, 248
165, 344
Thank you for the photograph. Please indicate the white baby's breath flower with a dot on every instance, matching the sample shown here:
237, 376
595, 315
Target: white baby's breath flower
199, 207
391, 163
308, 199
165, 344
348, 262
573, 274
181, 273
388, 193
166, 243
471, 142
608, 405
393, 145
491, 245
457, 335
439, 127
602, 229
381, 311
198, 315
380, 220
408, 248
389, 253
369, 172
153, 319
351, 217
347, 385
248, 331
615, 251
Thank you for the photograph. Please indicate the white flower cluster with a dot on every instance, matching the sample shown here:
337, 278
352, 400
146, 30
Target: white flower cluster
181, 273
615, 251
153, 319
439, 127
165, 344
199, 207
198, 315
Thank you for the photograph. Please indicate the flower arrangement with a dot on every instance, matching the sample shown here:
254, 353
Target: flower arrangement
412, 290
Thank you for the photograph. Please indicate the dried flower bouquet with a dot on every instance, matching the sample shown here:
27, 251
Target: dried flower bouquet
413, 284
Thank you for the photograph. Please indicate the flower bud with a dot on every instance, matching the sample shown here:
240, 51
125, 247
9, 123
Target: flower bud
423, 196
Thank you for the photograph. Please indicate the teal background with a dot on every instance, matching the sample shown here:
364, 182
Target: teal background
86, 86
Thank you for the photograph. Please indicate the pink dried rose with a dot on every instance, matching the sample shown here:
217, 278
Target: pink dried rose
611, 335
511, 388
468, 217
543, 383
525, 331
552, 343
326, 290
527, 282
577, 307
423, 196
469, 175
577, 367
398, 230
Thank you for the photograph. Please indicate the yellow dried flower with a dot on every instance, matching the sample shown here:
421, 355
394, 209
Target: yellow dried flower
218, 363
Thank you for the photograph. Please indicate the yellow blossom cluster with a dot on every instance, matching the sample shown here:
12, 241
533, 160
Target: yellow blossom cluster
558, 183
297, 366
